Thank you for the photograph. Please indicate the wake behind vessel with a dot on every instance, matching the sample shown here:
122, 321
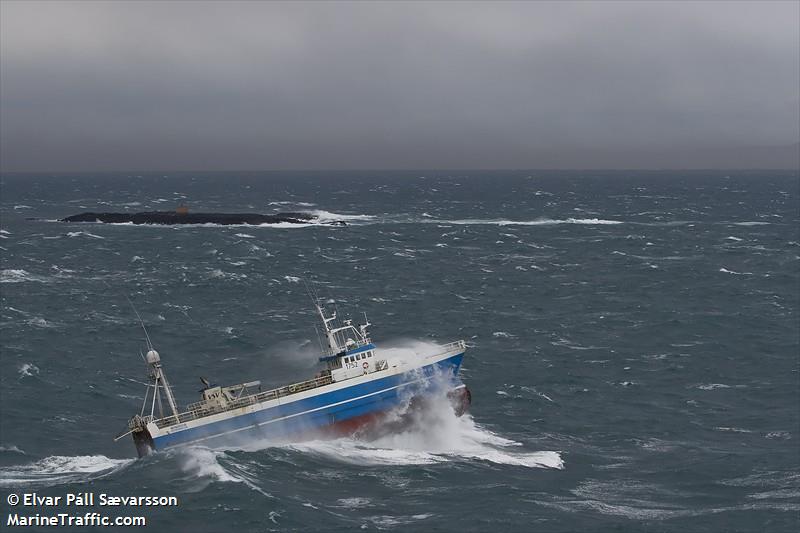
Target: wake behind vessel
358, 385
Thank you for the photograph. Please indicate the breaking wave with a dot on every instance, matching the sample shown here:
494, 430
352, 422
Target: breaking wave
537, 222
14, 275
58, 470
326, 216
436, 435
27, 370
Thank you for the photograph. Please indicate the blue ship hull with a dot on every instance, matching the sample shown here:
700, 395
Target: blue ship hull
315, 413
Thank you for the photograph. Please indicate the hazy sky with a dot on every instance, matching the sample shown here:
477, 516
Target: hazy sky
331, 85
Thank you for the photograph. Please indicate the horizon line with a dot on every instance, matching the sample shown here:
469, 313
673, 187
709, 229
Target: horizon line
409, 169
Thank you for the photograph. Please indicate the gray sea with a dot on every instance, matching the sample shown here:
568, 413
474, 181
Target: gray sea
633, 346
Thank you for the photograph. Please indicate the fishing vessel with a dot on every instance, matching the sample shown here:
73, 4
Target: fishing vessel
358, 385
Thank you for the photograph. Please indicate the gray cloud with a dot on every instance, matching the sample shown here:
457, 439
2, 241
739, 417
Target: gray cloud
267, 85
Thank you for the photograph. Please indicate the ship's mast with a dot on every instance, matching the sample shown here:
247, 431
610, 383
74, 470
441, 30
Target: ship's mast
159, 379
333, 345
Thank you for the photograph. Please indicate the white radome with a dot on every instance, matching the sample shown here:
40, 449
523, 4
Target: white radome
153, 357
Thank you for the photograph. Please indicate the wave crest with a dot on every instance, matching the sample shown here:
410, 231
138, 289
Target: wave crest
59, 469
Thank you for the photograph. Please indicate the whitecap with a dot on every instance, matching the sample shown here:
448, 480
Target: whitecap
14, 275
778, 435
58, 469
27, 370
712, 386
292, 279
39, 322
435, 435
287, 202
388, 521
537, 222
11, 448
86, 233
288, 225
202, 462
327, 216
219, 274
354, 502
726, 271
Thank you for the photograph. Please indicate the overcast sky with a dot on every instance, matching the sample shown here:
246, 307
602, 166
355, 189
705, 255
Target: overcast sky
339, 85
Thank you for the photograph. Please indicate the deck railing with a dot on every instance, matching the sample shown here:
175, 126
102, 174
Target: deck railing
201, 409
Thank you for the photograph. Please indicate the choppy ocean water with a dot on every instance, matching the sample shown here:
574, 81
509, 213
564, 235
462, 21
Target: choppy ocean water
633, 346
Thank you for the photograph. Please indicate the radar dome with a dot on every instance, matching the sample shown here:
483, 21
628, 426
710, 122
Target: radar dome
153, 357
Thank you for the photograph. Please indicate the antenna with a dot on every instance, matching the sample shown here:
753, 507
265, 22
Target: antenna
157, 373
146, 335
319, 339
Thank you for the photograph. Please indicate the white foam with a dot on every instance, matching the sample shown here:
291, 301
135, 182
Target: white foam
726, 271
202, 462
12, 449
435, 435
27, 370
292, 279
86, 233
18, 275
219, 274
712, 386
388, 521
537, 222
357, 453
39, 322
58, 469
327, 216
301, 204
288, 225
778, 435
354, 502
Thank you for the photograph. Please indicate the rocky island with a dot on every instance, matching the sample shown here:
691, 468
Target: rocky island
183, 216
